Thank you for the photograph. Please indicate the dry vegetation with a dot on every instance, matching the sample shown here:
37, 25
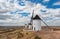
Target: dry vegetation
20, 34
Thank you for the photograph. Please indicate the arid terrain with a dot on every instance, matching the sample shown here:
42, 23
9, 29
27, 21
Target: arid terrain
19, 33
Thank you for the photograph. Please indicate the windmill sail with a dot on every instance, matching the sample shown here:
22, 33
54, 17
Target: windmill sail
45, 24
32, 17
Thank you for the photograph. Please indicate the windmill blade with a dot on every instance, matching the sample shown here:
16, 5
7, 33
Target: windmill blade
32, 16
45, 24
32, 13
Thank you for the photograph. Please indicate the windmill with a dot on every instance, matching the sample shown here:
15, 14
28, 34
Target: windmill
36, 22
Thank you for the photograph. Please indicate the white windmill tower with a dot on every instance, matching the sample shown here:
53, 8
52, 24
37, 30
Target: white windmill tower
36, 23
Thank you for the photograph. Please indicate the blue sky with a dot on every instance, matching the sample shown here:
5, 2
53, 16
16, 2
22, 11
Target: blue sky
48, 4
18, 12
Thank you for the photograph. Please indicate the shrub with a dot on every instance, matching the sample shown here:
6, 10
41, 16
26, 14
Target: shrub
20, 35
36, 37
27, 33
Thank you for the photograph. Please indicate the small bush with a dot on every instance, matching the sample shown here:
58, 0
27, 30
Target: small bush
37, 37
20, 35
27, 33
0, 36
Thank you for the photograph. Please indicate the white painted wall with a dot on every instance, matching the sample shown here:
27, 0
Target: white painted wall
37, 25
30, 26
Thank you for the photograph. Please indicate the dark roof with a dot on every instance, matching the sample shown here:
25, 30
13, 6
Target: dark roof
30, 24
37, 17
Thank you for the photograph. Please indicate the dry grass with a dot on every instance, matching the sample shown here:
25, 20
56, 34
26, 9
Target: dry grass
30, 34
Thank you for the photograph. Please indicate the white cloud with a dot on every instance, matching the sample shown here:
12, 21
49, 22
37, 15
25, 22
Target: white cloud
17, 19
57, 3
54, 23
3, 0
46, 0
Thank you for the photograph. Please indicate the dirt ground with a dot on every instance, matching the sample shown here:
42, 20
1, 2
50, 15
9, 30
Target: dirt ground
48, 34
30, 34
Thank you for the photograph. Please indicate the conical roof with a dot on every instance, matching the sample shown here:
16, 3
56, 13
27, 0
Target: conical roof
37, 17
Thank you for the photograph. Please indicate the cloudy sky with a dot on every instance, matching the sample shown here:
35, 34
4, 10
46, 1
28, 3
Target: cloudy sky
19, 12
